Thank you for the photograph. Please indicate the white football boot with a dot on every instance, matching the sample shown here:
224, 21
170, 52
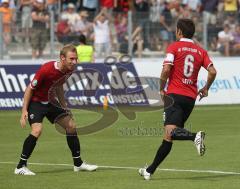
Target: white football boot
23, 171
85, 167
199, 143
143, 172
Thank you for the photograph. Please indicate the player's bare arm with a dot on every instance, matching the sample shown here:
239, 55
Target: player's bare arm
60, 95
26, 99
164, 77
210, 78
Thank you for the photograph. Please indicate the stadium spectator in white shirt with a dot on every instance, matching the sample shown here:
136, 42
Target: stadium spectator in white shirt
102, 34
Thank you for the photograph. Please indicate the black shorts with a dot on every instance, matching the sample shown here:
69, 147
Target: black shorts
178, 113
37, 111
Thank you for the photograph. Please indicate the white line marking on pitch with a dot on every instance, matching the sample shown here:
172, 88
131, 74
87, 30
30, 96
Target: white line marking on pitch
135, 168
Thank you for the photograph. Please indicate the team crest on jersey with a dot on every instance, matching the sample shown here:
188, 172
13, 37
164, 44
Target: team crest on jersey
31, 116
34, 83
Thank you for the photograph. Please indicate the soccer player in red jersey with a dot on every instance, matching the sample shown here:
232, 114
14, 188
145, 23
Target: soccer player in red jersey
36, 106
181, 67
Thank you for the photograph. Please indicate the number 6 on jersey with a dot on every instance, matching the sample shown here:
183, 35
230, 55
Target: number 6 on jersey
188, 65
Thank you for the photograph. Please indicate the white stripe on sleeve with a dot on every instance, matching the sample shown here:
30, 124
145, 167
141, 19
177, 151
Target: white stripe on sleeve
169, 59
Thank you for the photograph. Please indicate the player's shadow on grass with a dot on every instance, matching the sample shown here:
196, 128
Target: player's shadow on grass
55, 170
112, 169
63, 170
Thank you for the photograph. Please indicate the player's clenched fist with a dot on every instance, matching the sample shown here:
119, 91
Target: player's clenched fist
203, 93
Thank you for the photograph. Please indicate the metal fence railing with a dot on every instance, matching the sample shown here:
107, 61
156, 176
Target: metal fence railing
137, 34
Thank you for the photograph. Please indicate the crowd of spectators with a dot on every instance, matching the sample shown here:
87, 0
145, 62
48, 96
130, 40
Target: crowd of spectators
104, 23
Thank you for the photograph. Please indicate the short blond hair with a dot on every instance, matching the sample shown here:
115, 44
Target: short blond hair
68, 48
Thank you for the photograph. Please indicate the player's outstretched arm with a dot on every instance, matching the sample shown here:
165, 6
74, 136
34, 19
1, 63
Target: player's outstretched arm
210, 78
26, 99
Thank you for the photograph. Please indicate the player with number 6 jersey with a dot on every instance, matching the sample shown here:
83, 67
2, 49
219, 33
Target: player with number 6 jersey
186, 59
181, 66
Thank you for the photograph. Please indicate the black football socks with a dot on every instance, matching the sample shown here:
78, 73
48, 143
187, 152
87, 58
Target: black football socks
162, 153
28, 147
165, 148
74, 145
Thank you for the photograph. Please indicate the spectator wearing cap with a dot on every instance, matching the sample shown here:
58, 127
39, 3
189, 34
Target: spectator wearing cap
64, 34
65, 3
71, 15
83, 26
7, 18
39, 34
84, 51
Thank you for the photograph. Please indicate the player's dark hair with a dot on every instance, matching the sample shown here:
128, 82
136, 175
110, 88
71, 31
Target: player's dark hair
187, 27
68, 48
82, 39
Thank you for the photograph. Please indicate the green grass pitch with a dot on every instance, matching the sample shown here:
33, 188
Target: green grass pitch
128, 144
